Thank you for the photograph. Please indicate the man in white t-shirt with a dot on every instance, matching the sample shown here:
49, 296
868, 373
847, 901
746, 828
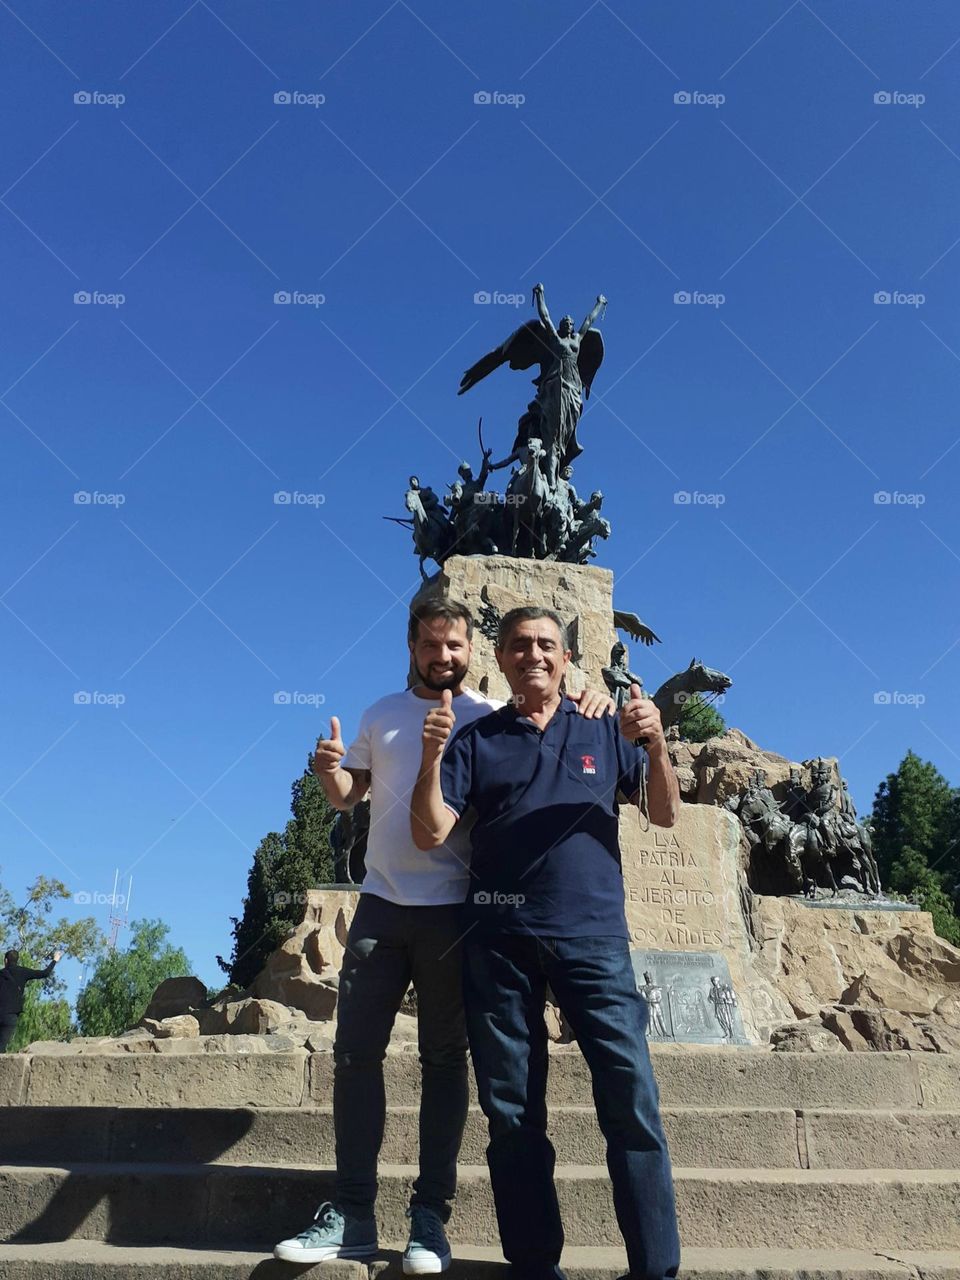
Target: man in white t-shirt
406, 928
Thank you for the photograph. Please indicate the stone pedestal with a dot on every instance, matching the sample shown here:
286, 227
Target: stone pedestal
682, 890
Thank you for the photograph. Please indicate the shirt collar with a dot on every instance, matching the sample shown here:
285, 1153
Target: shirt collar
567, 705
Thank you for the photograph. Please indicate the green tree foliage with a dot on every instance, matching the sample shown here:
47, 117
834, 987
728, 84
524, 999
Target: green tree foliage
42, 1018
284, 867
700, 720
32, 929
117, 995
915, 828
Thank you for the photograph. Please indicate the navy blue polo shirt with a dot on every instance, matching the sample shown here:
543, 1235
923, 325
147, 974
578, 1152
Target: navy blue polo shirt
546, 853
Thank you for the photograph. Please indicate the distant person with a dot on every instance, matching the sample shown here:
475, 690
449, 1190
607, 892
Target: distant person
13, 978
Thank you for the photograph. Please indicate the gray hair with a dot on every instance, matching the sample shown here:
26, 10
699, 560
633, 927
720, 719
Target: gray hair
529, 613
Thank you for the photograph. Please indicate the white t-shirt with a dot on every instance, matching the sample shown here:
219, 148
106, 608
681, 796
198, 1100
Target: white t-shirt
389, 744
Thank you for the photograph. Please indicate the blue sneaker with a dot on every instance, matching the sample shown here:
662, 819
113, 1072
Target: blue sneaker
331, 1235
427, 1251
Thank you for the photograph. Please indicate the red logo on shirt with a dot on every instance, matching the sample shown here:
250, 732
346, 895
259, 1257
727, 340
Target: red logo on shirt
589, 764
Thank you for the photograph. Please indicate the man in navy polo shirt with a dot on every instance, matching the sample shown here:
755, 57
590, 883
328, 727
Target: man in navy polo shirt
546, 906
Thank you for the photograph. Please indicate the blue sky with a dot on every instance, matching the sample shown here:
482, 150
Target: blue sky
781, 186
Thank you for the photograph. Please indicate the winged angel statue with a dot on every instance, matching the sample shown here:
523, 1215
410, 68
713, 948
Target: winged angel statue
568, 359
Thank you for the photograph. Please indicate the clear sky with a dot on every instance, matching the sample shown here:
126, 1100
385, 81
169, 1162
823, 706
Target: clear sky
781, 195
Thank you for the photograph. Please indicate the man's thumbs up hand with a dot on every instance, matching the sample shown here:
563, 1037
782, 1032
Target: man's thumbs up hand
640, 719
330, 751
438, 726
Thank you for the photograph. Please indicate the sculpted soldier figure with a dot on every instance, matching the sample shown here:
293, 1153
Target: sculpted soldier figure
855, 840
618, 677
654, 998
815, 814
722, 1008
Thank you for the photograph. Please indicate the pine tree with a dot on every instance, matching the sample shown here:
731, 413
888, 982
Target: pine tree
914, 826
700, 720
284, 868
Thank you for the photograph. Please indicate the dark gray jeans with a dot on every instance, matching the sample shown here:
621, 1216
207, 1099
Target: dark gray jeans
388, 947
8, 1029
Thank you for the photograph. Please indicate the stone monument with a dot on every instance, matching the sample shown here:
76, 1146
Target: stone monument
758, 918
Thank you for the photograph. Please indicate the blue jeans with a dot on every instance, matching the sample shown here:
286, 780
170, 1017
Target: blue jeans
389, 946
505, 979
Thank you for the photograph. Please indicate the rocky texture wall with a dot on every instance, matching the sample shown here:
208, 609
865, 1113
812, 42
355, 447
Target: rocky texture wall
863, 979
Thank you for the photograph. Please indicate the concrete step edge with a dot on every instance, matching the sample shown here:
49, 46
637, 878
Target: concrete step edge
91, 1257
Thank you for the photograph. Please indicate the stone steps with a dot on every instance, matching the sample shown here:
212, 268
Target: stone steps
690, 1077
78, 1260
116, 1165
704, 1137
238, 1205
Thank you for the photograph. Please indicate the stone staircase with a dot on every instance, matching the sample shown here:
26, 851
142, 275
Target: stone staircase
186, 1166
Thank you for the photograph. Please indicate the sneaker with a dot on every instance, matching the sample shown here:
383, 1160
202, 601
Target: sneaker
427, 1251
331, 1235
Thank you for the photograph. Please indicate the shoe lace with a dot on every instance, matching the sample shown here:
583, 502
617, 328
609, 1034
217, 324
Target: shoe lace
426, 1227
326, 1221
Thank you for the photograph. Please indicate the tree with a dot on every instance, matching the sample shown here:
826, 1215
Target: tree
42, 1018
284, 867
700, 720
31, 931
117, 995
914, 825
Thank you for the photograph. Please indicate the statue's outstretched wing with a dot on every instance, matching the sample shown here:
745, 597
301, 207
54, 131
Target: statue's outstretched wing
634, 628
524, 348
590, 358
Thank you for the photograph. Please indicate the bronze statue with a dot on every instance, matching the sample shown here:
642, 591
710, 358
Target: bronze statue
618, 677
673, 693
568, 359
540, 517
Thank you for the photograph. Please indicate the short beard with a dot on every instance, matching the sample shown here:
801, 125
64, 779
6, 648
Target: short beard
451, 681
